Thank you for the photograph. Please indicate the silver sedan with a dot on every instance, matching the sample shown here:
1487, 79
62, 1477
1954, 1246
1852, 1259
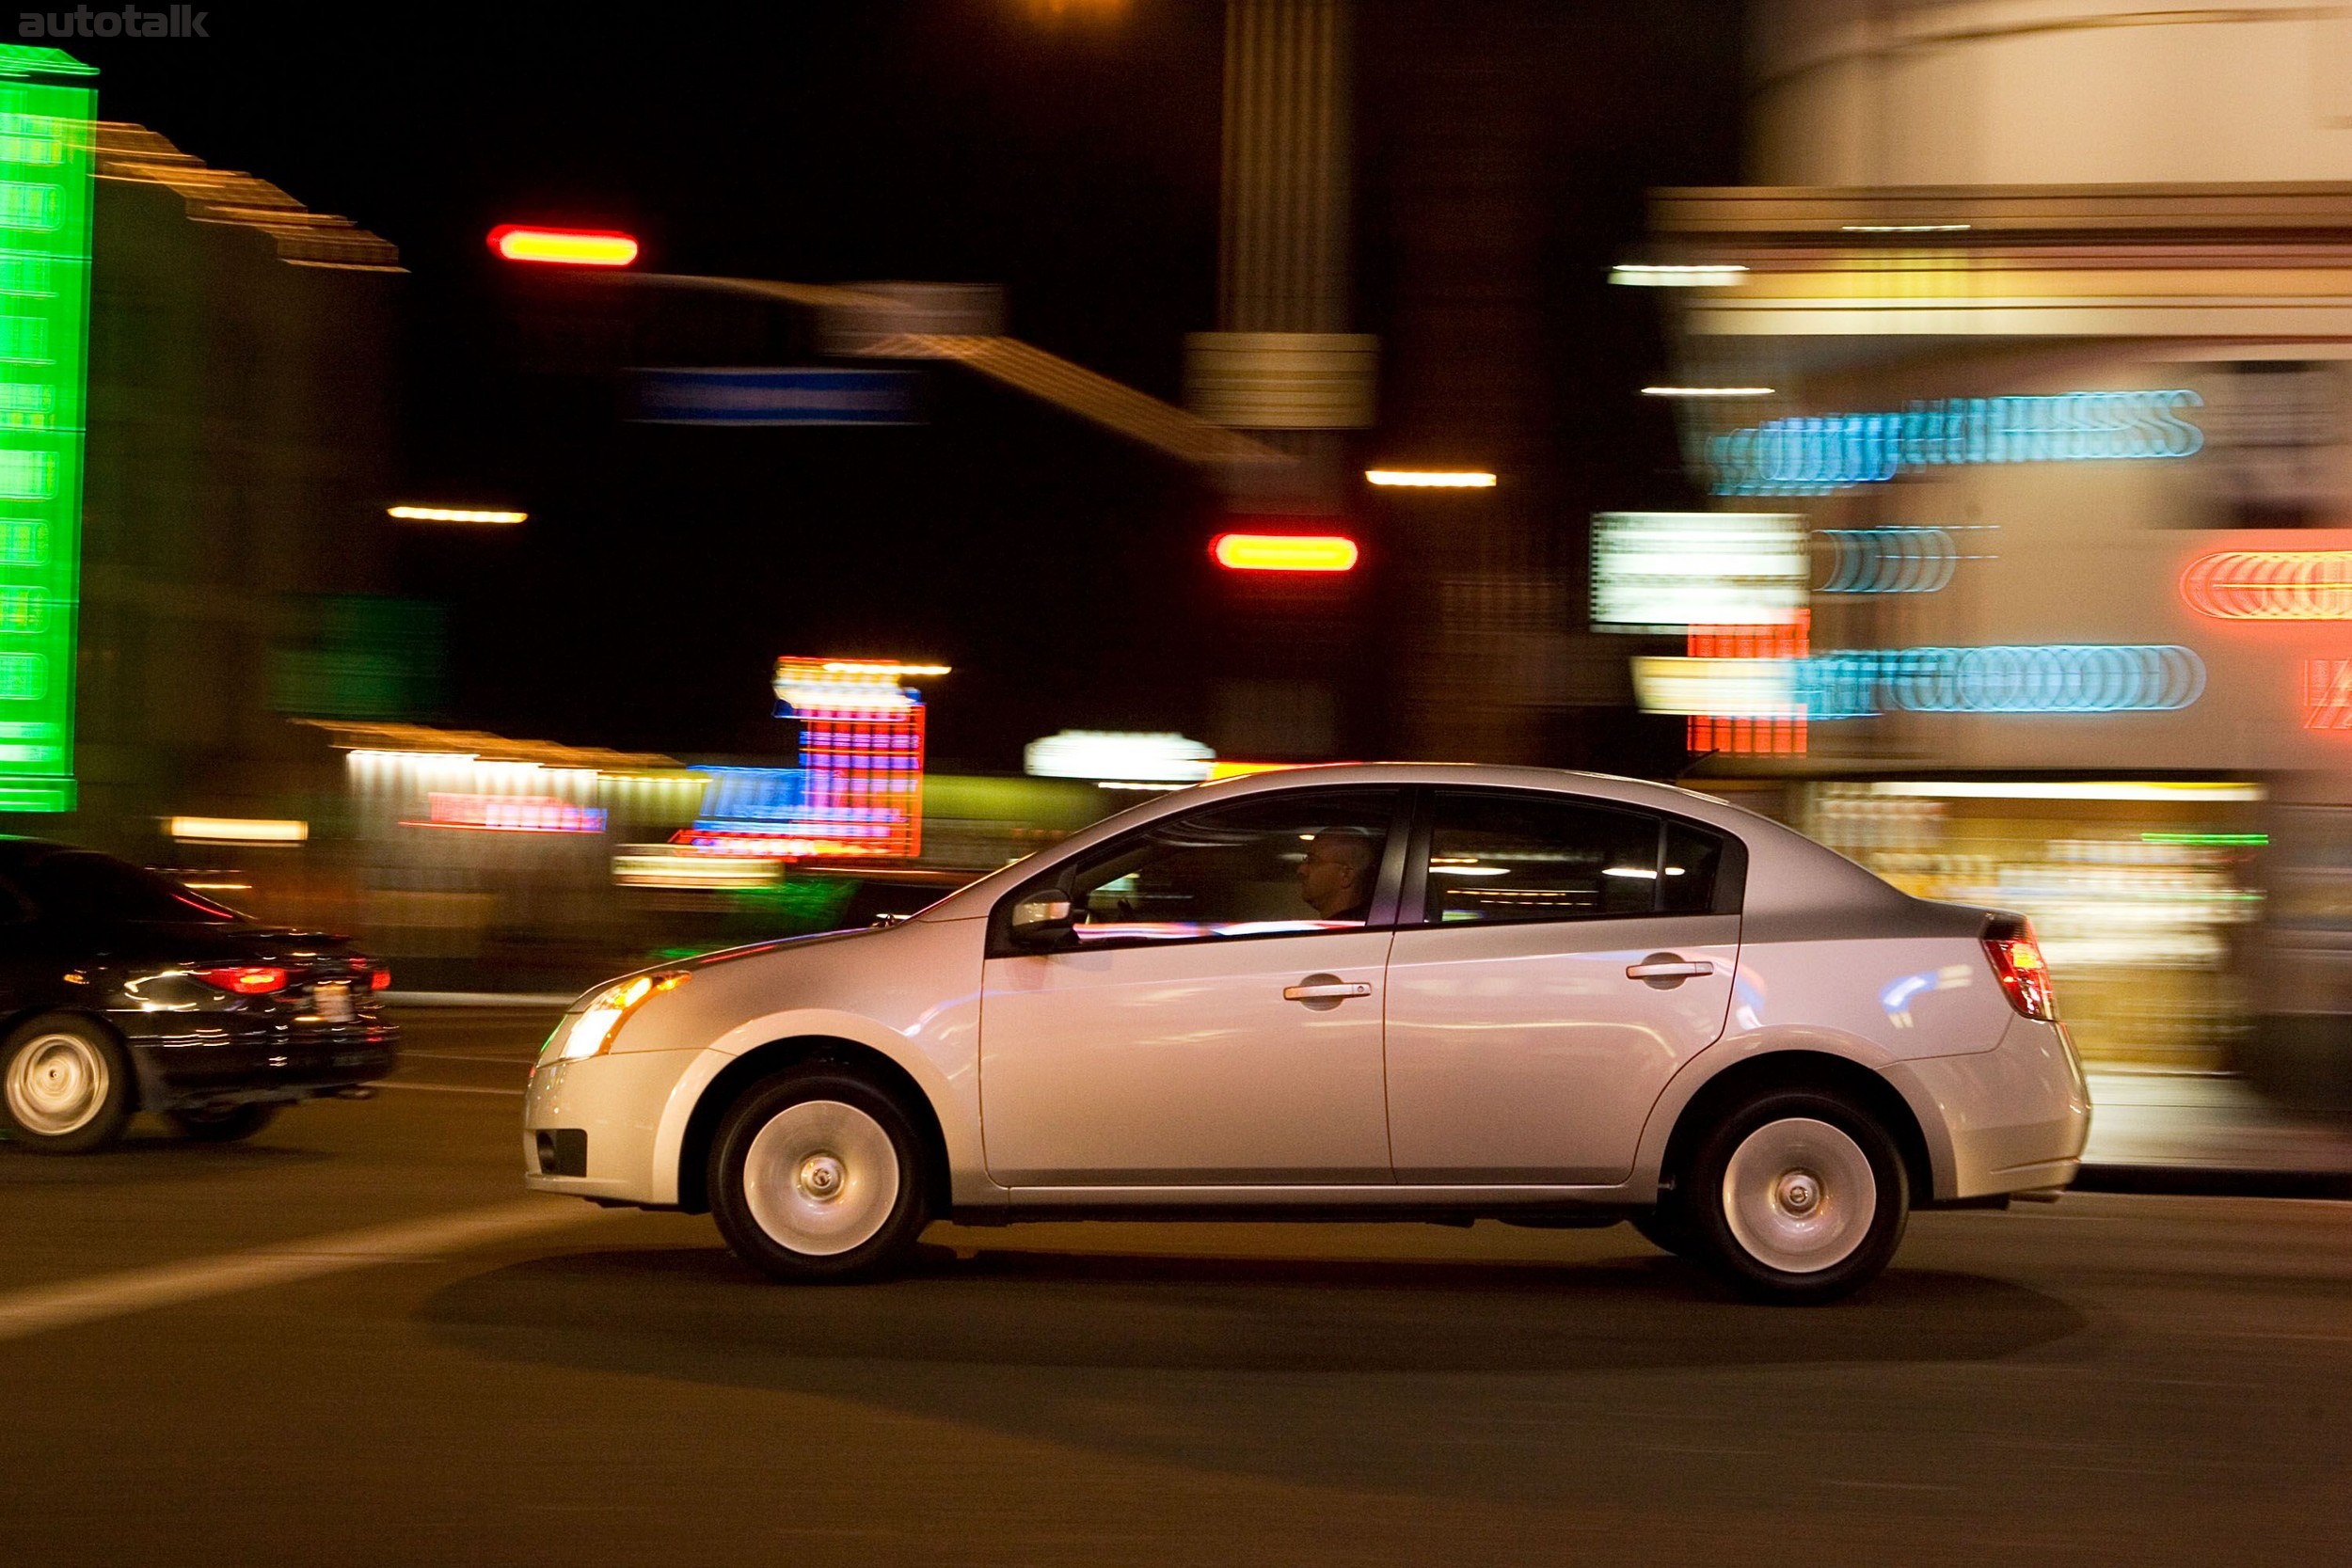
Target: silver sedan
1401, 991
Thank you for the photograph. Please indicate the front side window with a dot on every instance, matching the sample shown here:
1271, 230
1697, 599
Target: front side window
1288, 864
1496, 857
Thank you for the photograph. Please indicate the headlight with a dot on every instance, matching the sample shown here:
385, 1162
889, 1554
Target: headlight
593, 1029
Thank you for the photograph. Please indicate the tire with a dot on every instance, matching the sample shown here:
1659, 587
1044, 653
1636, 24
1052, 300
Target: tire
66, 1086
817, 1175
226, 1124
1799, 1196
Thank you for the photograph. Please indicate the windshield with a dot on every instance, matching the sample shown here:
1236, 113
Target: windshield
84, 885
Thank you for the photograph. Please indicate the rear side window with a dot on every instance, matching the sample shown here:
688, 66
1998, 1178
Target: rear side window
1499, 856
91, 888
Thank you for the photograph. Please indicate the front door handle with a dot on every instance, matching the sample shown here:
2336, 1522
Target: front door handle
1668, 968
1324, 992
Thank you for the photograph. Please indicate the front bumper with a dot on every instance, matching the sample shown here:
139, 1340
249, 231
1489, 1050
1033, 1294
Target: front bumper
617, 1103
217, 1059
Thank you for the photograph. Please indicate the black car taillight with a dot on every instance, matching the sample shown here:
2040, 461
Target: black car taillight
2018, 964
251, 980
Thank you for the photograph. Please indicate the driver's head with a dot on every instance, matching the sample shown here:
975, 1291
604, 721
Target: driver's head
1336, 877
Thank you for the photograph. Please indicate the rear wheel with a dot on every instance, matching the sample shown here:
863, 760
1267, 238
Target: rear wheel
1798, 1196
225, 1124
819, 1175
65, 1086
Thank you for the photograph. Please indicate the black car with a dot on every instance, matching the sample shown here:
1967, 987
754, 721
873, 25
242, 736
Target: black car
121, 991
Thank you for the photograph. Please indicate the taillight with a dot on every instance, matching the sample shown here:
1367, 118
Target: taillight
380, 980
253, 980
2024, 973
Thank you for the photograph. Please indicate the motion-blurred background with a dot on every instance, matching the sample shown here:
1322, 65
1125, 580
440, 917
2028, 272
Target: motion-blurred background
884, 438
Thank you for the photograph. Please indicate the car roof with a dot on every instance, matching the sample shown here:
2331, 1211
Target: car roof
1789, 874
18, 850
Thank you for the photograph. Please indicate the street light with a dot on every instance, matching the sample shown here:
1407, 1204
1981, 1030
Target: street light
569, 248
1430, 479
453, 515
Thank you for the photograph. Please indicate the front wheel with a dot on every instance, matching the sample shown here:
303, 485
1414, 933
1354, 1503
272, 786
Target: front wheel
225, 1124
819, 1175
1798, 1196
65, 1086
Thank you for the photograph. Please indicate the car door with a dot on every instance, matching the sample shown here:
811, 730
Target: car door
1557, 959
1213, 1016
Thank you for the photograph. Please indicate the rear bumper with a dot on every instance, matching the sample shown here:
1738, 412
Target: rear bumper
2014, 1118
212, 1062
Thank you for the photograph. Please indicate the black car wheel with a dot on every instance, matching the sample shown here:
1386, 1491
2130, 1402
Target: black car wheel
817, 1175
1798, 1196
65, 1086
225, 1124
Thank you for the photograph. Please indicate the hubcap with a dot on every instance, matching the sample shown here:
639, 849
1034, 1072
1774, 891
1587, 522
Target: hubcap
57, 1085
1799, 1195
821, 1178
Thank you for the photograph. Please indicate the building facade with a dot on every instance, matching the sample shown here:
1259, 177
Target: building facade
2035, 327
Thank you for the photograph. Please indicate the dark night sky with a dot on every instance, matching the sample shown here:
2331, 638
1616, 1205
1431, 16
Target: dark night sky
1070, 154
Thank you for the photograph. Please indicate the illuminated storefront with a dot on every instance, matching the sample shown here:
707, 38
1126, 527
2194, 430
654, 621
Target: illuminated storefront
2065, 425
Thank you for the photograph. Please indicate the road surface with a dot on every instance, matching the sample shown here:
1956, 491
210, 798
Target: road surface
356, 1341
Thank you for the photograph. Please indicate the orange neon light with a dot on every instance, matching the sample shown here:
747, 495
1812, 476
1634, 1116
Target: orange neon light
2270, 585
571, 247
2327, 694
1285, 552
1788, 640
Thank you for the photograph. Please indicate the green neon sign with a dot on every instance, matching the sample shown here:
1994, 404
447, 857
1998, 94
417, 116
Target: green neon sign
48, 158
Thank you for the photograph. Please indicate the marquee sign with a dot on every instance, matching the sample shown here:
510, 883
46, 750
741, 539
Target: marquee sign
1663, 571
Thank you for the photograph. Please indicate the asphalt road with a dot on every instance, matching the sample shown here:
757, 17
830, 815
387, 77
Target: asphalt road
352, 1341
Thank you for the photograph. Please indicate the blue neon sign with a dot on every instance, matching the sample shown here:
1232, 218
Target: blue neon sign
2058, 677
1813, 454
1888, 560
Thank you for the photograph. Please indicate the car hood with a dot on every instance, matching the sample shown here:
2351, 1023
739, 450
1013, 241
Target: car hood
725, 956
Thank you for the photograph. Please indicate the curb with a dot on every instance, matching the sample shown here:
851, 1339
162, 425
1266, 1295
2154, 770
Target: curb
2213, 1181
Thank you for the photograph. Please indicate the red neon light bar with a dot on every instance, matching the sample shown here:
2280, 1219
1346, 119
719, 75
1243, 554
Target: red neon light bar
1285, 552
567, 248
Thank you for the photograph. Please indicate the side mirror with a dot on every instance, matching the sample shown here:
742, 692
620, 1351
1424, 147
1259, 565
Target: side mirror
1042, 918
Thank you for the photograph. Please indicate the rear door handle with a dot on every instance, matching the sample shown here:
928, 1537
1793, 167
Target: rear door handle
1668, 968
1321, 991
